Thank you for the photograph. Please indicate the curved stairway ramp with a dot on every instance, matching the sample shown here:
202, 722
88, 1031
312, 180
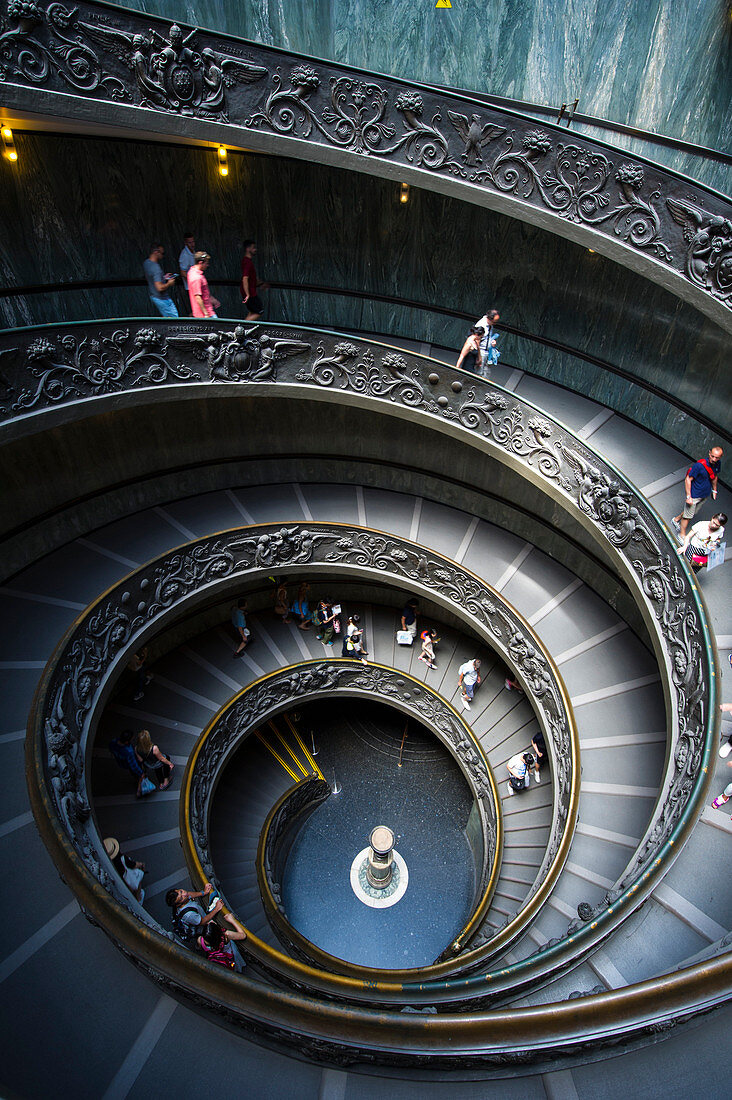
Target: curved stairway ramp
503, 720
74, 575
639, 213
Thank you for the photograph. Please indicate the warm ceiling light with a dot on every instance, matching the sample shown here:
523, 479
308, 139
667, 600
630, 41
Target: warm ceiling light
222, 152
404, 193
7, 136
223, 170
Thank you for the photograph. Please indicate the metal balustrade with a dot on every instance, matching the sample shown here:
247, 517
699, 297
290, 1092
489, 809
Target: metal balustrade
112, 67
72, 374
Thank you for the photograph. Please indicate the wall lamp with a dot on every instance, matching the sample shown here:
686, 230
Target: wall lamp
223, 161
10, 152
404, 193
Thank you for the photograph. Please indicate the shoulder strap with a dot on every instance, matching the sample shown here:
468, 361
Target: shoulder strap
708, 468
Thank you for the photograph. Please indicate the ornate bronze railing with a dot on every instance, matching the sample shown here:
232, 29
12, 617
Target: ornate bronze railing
276, 692
280, 828
498, 424
55, 376
116, 67
168, 588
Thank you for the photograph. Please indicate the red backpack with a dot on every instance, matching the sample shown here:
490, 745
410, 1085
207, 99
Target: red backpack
703, 462
219, 955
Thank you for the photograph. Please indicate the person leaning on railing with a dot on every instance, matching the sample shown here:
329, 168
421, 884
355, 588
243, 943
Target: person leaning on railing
703, 537
215, 942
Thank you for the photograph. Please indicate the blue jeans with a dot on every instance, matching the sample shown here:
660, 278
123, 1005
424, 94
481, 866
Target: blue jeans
165, 306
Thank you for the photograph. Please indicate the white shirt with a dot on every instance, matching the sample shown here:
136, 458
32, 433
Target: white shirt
702, 535
186, 260
517, 766
468, 673
485, 340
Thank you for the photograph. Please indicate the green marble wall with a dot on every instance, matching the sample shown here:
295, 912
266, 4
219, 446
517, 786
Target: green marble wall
662, 65
77, 209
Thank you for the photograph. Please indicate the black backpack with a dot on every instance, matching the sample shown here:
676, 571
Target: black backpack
187, 932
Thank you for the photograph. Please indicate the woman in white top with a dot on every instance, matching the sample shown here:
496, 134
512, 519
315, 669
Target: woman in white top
702, 538
519, 771
353, 639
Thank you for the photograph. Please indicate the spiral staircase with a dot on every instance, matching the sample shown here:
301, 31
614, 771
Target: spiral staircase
615, 692
154, 472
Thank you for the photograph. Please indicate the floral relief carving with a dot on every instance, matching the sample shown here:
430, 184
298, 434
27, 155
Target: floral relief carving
69, 368
391, 377
24, 55
133, 60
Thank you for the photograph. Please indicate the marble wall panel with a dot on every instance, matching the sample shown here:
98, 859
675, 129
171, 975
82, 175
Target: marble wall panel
659, 65
80, 209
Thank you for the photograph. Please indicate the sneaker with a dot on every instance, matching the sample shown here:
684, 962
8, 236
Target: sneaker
149, 678
676, 525
510, 790
725, 750
719, 801
138, 697
537, 778
466, 705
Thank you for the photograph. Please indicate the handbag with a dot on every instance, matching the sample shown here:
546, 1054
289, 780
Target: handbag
147, 786
404, 637
516, 783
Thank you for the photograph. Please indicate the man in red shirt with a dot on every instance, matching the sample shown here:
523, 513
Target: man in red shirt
249, 283
202, 304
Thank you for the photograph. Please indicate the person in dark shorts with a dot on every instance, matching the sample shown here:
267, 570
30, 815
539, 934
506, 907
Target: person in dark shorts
249, 297
471, 353
538, 744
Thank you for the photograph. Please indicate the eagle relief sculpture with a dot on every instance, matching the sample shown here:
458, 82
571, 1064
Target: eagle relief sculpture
474, 135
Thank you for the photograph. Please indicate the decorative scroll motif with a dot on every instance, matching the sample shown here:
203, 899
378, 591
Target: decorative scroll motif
279, 690
576, 183
391, 377
37, 42
135, 60
69, 368
353, 119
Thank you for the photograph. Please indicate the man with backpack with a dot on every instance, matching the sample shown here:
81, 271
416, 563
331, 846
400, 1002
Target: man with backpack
700, 481
123, 751
190, 917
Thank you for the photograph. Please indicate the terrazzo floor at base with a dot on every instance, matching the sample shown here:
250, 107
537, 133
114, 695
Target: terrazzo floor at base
426, 803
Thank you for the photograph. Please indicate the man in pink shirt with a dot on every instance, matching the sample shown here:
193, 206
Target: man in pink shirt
202, 304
